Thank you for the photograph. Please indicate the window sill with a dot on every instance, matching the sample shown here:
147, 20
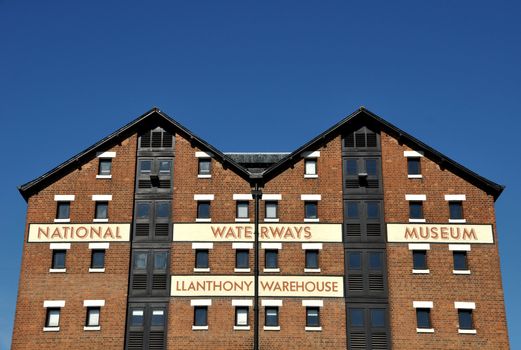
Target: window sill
241, 328
272, 328
242, 270
467, 331
57, 270
271, 220
103, 176
421, 271
271, 270
62, 220
100, 220
199, 328
313, 329
311, 220
310, 176
424, 330
414, 176
312, 270
204, 176
417, 220
461, 272
201, 269
51, 329
92, 328
203, 220
242, 219
457, 221
92, 269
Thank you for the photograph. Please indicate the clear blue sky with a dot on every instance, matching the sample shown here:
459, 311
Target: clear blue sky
259, 76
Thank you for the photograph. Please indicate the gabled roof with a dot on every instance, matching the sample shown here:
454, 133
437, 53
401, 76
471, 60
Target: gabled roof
152, 117
362, 117
258, 167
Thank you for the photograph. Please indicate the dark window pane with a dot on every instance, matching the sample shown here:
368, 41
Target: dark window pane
460, 260
456, 210
201, 258
165, 166
375, 261
356, 317
311, 210
102, 210
160, 260
416, 210
63, 210
145, 166
413, 166
143, 210
272, 256
419, 258
351, 167
137, 317
377, 317
373, 210
423, 318
370, 167
98, 259
58, 259
242, 259
204, 166
352, 210
242, 210
105, 166
158, 318
465, 319
163, 210
200, 316
355, 261
271, 210
203, 210
140, 261
360, 139
312, 317
272, 316
312, 259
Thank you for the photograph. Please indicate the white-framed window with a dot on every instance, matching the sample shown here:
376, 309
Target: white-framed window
423, 316
271, 207
416, 214
419, 257
465, 317
204, 165
52, 315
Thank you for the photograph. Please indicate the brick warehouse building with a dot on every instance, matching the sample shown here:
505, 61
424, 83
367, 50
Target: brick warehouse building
363, 238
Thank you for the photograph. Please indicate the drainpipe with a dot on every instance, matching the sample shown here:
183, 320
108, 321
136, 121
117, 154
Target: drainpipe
257, 193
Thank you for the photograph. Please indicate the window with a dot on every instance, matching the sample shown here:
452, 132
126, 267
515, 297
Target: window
165, 166
310, 167
93, 316
312, 317
355, 260
367, 326
102, 210
242, 258
58, 259
310, 210
145, 166
356, 317
460, 260
203, 210
271, 210
272, 258
149, 275
465, 319
156, 138
363, 221
204, 166
201, 259
63, 210
52, 319
152, 220
241, 315
200, 316
415, 210
105, 166
456, 210
311, 258
413, 166
362, 138
423, 318
419, 259
377, 318
242, 210
272, 316
137, 318
154, 175
158, 318
97, 259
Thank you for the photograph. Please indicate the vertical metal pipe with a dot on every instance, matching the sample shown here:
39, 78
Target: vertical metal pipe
256, 195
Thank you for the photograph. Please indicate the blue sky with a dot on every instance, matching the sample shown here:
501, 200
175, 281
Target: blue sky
259, 76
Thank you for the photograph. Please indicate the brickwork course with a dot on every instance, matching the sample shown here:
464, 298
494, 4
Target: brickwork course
41, 289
